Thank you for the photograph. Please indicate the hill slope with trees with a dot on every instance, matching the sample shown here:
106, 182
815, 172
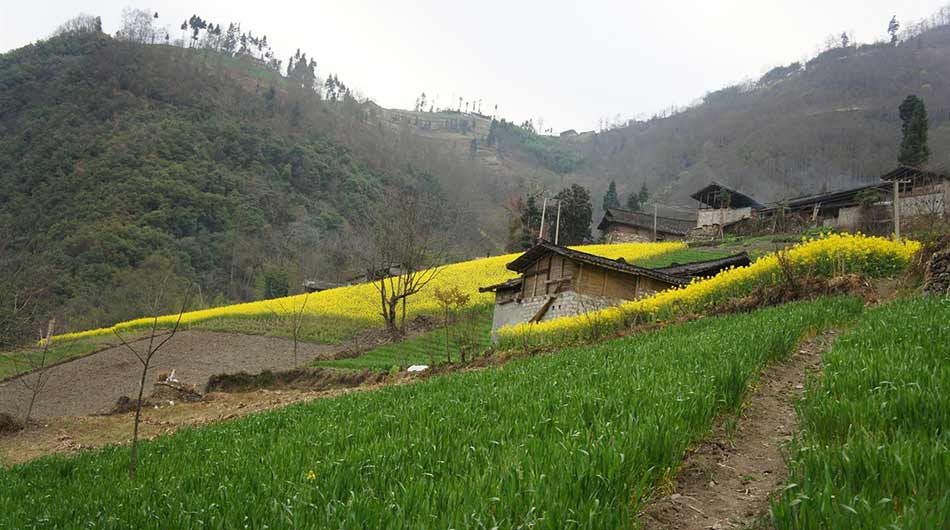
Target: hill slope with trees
126, 165
832, 122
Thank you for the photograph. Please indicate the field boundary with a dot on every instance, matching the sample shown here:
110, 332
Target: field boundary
728, 479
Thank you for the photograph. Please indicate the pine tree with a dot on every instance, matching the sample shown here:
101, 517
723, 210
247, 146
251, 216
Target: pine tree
611, 200
530, 223
576, 215
892, 28
914, 151
633, 202
643, 195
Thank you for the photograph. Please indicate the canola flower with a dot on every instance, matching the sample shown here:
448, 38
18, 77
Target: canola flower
361, 302
824, 256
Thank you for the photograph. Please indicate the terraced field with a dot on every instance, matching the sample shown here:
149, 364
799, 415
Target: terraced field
576, 439
875, 452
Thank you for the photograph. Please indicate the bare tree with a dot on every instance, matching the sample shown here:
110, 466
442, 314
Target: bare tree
145, 359
401, 253
293, 316
34, 372
138, 25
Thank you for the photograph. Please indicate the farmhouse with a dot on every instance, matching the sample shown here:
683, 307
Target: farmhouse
625, 226
922, 192
722, 206
706, 268
848, 209
557, 281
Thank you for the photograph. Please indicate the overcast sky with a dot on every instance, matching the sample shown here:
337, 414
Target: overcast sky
568, 63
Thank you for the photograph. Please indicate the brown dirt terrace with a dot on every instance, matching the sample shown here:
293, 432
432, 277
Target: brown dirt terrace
92, 384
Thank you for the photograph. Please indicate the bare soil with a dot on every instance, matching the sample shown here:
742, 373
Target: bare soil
93, 384
71, 434
727, 480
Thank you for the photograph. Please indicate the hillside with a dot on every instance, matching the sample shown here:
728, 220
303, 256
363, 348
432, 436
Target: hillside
830, 123
123, 164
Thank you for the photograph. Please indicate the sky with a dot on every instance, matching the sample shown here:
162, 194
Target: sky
562, 64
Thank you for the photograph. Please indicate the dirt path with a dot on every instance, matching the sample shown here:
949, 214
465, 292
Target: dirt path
726, 481
92, 384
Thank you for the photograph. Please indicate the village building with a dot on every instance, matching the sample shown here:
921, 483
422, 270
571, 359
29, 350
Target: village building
705, 268
921, 192
557, 281
625, 226
850, 209
722, 206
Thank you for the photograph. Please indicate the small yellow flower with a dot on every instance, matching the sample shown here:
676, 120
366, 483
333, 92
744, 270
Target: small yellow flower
311, 475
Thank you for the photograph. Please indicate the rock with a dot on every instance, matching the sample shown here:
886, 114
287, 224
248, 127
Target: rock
175, 391
937, 273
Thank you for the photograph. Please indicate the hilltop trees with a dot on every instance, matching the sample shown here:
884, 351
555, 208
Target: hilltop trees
914, 151
137, 25
892, 28
81, 23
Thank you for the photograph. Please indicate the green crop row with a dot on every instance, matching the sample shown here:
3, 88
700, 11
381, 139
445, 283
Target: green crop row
575, 439
875, 451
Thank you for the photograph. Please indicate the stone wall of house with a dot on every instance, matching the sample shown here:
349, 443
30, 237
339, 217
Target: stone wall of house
566, 304
708, 217
627, 234
926, 203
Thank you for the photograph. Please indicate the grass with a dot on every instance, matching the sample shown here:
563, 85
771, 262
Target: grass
428, 348
575, 439
875, 452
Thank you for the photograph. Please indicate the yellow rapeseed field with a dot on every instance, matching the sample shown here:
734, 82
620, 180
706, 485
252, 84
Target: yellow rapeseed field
835, 253
361, 302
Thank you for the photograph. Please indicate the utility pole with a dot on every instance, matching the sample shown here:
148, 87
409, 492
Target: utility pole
897, 211
654, 221
557, 224
544, 208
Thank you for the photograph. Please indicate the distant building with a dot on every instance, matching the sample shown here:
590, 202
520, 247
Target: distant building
557, 281
706, 268
922, 192
315, 286
722, 206
840, 209
625, 226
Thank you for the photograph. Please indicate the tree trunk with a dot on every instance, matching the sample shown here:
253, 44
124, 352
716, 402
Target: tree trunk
446, 324
391, 306
135, 429
29, 410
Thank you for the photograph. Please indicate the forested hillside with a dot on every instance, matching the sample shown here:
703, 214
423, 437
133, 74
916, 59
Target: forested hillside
830, 123
125, 161
126, 165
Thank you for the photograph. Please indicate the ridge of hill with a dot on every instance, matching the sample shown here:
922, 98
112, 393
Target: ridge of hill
830, 123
